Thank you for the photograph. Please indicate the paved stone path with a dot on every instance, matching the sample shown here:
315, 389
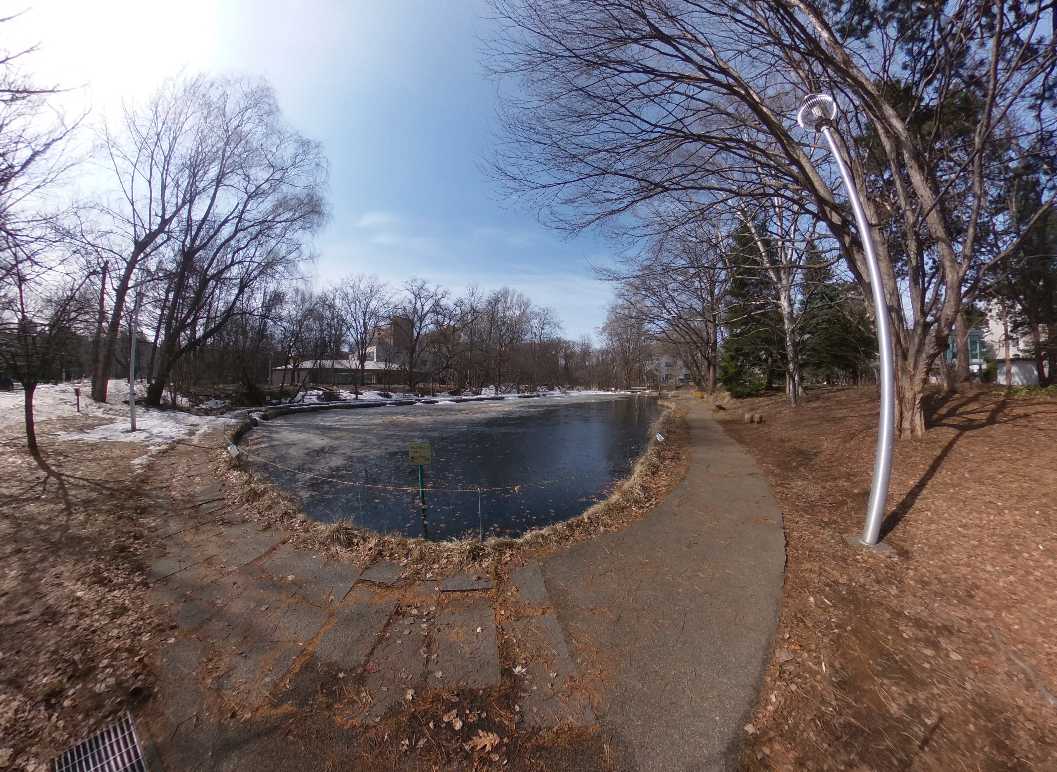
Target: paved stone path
669, 622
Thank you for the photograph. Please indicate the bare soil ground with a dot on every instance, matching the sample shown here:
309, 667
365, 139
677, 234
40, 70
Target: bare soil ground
75, 630
945, 657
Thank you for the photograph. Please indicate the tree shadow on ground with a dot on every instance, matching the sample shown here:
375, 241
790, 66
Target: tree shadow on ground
954, 411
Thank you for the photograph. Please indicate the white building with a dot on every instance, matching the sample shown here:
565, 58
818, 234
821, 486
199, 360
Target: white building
1021, 355
667, 370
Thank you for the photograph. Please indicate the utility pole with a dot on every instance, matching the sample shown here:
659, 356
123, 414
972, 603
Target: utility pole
817, 114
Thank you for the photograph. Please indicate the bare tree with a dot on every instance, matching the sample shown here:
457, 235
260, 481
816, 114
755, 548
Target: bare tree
543, 326
40, 285
40, 319
626, 338
675, 290
250, 193
629, 102
415, 314
152, 158
505, 316
365, 304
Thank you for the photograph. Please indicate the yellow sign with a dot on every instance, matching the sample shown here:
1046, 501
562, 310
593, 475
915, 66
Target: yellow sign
419, 453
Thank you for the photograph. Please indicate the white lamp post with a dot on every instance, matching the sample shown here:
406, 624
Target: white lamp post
817, 114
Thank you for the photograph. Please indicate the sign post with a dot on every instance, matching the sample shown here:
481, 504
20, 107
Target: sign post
420, 454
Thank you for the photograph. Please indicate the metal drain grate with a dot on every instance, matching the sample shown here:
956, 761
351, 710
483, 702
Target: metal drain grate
114, 748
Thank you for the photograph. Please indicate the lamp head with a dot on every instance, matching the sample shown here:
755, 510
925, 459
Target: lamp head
817, 111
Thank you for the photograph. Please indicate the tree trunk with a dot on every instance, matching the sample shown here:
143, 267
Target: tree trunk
911, 378
31, 428
1005, 339
155, 390
101, 374
793, 385
962, 373
97, 338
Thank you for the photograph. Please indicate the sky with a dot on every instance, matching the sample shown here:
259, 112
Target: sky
396, 93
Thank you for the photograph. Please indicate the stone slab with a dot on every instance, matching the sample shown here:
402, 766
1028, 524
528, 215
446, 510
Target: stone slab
464, 653
299, 622
549, 697
172, 562
357, 625
398, 663
242, 544
178, 680
252, 616
250, 675
384, 572
531, 588
466, 582
308, 576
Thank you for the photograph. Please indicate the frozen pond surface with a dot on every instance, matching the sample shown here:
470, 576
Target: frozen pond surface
499, 468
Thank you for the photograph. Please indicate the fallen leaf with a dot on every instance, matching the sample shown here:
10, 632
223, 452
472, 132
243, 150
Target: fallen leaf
482, 741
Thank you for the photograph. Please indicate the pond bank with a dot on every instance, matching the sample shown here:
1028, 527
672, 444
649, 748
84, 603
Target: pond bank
496, 469
380, 664
655, 473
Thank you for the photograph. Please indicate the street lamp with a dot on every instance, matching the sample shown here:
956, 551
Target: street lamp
817, 114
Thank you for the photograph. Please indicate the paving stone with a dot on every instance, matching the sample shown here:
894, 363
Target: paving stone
397, 664
549, 697
299, 622
342, 651
172, 562
253, 616
208, 508
384, 572
357, 623
250, 675
209, 492
193, 613
464, 645
308, 576
530, 585
177, 679
466, 582
241, 544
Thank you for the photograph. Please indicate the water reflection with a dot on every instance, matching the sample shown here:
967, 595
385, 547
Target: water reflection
498, 468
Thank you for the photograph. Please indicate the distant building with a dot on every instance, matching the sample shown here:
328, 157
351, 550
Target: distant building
338, 372
667, 370
1023, 368
384, 365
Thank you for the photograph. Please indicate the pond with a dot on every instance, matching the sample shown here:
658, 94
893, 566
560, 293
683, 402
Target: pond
498, 468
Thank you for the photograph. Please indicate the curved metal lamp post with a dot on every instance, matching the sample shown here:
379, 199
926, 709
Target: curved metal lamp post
817, 114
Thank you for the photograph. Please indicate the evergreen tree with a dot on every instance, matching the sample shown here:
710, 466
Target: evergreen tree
753, 352
838, 344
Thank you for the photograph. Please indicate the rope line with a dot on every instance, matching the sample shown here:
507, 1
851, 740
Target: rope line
410, 488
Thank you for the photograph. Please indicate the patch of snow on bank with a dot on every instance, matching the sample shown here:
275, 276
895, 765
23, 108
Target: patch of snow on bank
156, 429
